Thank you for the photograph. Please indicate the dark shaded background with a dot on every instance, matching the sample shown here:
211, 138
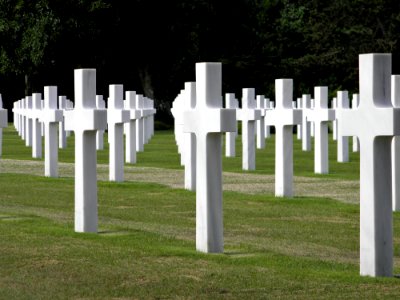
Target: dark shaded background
151, 46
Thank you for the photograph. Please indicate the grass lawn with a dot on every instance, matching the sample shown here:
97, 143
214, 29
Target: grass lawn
274, 248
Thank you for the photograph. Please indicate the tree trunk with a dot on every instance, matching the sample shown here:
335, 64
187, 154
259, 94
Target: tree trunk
146, 81
28, 85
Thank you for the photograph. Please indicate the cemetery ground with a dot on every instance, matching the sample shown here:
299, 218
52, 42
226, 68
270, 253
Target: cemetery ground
303, 247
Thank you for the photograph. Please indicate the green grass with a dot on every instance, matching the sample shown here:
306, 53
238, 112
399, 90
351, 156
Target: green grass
162, 153
274, 248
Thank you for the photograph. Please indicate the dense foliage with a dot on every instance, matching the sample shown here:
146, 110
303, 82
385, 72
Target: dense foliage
151, 46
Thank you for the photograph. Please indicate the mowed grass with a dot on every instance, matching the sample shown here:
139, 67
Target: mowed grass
162, 152
304, 248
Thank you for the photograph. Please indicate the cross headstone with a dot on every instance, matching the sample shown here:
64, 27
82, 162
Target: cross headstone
28, 118
342, 141
100, 104
268, 106
3, 122
375, 122
354, 104
305, 124
37, 126
248, 115
260, 122
312, 128
320, 116
23, 118
207, 121
130, 151
299, 129
190, 140
230, 137
62, 135
116, 117
51, 116
395, 96
140, 125
177, 112
85, 120
334, 122
284, 117
42, 127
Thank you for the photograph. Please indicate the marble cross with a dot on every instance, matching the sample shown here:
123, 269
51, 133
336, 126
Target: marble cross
395, 96
100, 104
85, 120
354, 104
134, 116
51, 116
208, 121
342, 141
305, 124
62, 135
230, 137
36, 125
320, 116
28, 120
190, 139
284, 117
260, 122
116, 117
248, 115
375, 122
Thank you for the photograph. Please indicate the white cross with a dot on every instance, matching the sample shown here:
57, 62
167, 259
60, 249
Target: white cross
208, 120
320, 116
260, 122
28, 118
268, 106
342, 141
299, 130
334, 122
395, 96
312, 128
116, 117
190, 139
85, 120
130, 151
3, 122
283, 117
375, 123
230, 137
140, 124
354, 104
177, 112
62, 135
305, 124
100, 104
248, 115
37, 126
50, 117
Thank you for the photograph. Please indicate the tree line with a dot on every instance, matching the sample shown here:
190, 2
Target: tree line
151, 46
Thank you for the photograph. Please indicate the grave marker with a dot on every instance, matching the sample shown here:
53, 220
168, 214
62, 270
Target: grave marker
37, 126
130, 151
207, 121
320, 116
284, 117
342, 141
375, 122
85, 120
230, 137
248, 115
50, 116
116, 117
260, 122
